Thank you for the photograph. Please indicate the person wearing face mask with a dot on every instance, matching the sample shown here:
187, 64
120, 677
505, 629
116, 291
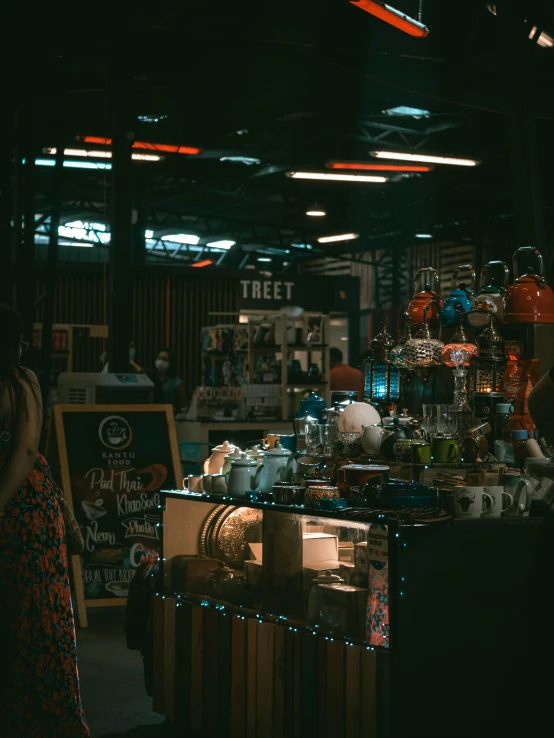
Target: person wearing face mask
133, 366
169, 387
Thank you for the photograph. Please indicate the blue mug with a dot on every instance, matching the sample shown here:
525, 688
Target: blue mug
288, 442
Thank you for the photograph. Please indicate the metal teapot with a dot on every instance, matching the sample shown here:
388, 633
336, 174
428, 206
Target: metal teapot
530, 299
460, 298
425, 297
396, 432
491, 294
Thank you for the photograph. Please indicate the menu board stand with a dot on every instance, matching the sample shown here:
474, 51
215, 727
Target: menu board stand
112, 461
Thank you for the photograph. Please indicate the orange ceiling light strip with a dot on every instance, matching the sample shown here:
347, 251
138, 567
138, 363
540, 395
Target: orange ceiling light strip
376, 167
393, 17
204, 263
168, 148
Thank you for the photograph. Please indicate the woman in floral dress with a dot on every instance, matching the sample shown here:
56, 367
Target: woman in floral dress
39, 684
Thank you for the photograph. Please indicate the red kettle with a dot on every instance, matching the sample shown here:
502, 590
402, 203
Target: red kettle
422, 299
530, 299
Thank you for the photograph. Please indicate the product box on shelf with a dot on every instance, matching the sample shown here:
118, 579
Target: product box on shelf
343, 608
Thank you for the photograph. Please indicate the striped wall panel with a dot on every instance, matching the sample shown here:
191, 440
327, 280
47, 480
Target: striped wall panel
167, 311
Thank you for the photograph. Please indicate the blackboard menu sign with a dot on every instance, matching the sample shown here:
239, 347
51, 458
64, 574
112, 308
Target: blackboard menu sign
113, 461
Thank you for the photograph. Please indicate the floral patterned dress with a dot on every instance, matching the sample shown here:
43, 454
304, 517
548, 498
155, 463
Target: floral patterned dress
39, 683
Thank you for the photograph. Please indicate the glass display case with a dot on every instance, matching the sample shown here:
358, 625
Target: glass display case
277, 620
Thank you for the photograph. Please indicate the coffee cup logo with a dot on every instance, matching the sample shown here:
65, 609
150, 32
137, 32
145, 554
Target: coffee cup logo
115, 432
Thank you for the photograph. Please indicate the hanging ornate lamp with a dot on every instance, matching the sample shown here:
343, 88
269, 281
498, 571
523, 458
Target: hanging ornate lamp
423, 352
451, 353
382, 382
488, 370
396, 353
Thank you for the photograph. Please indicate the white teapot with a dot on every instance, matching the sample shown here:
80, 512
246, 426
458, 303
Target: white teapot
239, 477
214, 464
372, 438
278, 466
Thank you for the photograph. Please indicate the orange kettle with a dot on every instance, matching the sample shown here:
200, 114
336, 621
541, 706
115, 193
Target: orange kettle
530, 299
422, 299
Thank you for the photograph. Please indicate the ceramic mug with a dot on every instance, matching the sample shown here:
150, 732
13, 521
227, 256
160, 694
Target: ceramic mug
214, 484
521, 488
271, 440
412, 451
446, 450
470, 502
288, 442
193, 483
496, 509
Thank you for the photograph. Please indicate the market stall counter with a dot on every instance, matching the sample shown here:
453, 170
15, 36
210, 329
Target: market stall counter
277, 620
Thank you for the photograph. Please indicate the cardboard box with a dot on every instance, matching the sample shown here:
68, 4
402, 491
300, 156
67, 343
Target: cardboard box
343, 608
346, 551
253, 572
315, 547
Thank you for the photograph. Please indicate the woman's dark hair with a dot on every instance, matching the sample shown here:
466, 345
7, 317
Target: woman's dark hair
11, 374
172, 368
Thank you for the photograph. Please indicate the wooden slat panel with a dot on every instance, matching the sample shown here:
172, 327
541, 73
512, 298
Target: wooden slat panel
266, 675
238, 678
224, 675
335, 688
297, 704
289, 682
196, 659
183, 664
280, 677
352, 692
310, 687
322, 688
251, 677
158, 659
169, 657
369, 693
210, 673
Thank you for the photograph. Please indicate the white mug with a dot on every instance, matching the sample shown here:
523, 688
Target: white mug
496, 509
469, 502
193, 483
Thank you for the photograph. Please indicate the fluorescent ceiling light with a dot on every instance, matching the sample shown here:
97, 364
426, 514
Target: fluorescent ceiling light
336, 177
316, 213
182, 238
545, 40
151, 118
69, 164
166, 148
264, 258
102, 154
221, 244
248, 160
393, 17
401, 156
203, 263
369, 166
340, 237
406, 111
423, 235
148, 234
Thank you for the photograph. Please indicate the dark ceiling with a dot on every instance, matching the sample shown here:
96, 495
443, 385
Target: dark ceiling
294, 84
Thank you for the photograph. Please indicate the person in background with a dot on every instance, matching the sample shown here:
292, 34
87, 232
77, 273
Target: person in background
343, 377
541, 405
39, 683
134, 368
168, 386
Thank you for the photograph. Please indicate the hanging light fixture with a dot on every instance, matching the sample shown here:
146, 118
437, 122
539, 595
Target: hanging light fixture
459, 347
423, 352
382, 381
396, 353
393, 17
488, 370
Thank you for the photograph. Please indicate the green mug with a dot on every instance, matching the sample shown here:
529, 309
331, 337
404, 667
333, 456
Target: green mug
446, 449
413, 451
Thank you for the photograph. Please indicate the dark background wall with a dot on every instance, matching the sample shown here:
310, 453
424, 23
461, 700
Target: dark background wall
165, 307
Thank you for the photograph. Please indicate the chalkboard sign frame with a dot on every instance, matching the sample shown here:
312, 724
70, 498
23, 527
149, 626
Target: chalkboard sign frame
57, 455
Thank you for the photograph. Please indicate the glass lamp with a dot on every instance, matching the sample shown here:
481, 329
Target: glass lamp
488, 370
423, 352
460, 343
382, 382
396, 353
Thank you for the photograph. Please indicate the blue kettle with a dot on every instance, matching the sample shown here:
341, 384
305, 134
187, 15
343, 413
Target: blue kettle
313, 405
460, 299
